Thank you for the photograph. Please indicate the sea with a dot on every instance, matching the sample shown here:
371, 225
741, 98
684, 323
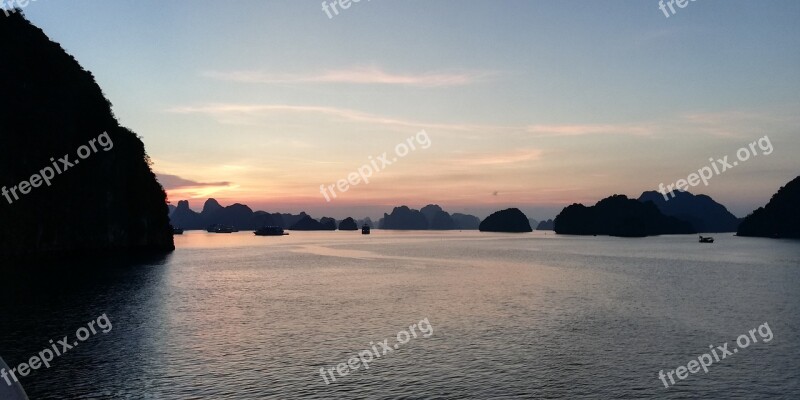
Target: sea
413, 315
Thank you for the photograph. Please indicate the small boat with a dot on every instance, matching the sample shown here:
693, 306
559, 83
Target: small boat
10, 389
270, 231
708, 239
177, 231
365, 229
221, 229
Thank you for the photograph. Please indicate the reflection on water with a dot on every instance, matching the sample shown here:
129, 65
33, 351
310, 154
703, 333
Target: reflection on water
517, 316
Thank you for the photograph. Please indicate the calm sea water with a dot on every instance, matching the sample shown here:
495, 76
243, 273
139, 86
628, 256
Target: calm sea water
513, 316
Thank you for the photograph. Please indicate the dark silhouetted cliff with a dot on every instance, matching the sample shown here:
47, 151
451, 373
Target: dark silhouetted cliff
619, 216
108, 201
780, 218
509, 220
705, 214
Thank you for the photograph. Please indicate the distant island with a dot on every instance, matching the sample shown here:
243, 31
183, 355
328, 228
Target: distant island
780, 218
619, 216
430, 217
242, 217
510, 220
92, 191
705, 214
548, 225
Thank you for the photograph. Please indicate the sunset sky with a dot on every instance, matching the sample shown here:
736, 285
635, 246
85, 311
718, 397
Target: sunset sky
531, 104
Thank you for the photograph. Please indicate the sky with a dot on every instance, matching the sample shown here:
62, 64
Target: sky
478, 105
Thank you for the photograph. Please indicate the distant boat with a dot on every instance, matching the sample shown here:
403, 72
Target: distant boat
270, 231
708, 239
221, 229
365, 229
177, 231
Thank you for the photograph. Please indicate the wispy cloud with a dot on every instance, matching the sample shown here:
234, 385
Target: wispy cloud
367, 75
171, 182
243, 113
228, 113
501, 158
590, 129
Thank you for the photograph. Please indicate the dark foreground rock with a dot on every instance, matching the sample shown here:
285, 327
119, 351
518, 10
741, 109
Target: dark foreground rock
780, 218
104, 199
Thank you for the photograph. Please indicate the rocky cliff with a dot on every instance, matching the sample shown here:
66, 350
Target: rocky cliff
73, 180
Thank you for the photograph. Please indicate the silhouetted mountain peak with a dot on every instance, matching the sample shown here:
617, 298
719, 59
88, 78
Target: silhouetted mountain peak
210, 206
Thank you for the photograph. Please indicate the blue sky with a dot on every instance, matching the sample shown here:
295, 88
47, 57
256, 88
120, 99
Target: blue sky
534, 104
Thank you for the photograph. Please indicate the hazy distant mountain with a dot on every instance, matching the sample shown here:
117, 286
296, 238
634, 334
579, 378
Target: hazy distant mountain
780, 218
466, 221
366, 221
184, 217
548, 225
431, 217
534, 223
705, 214
404, 218
237, 215
348, 224
328, 223
438, 219
308, 224
619, 216
509, 220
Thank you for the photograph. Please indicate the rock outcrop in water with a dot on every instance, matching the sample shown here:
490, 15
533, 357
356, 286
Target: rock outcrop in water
780, 218
619, 216
438, 219
509, 220
431, 217
348, 224
75, 181
466, 221
328, 223
705, 214
308, 224
404, 218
